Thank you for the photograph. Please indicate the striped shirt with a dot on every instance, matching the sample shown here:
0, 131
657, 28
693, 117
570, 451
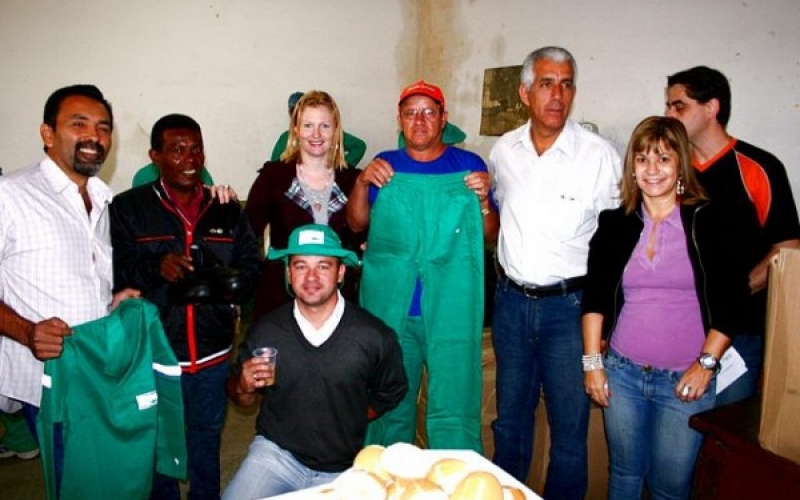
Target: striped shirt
55, 261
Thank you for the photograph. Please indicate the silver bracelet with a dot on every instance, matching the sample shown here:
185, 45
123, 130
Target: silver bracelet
592, 362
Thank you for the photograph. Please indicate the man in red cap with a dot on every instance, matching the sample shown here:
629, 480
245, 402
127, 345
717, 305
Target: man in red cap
426, 237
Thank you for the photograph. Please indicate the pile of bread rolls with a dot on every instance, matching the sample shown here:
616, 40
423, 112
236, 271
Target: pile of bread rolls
403, 472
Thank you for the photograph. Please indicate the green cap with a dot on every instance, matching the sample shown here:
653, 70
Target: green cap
293, 99
315, 239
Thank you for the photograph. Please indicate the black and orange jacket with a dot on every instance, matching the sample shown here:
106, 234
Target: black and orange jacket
146, 225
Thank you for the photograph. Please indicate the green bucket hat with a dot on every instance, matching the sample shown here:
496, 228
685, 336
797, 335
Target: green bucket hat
315, 239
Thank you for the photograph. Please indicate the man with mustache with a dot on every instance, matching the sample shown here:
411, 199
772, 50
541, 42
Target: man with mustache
55, 246
423, 269
552, 179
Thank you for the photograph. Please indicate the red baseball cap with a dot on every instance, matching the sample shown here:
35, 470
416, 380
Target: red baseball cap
422, 88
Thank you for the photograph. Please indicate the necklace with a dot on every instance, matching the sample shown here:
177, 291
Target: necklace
317, 197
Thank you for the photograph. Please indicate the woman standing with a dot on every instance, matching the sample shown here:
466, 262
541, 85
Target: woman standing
657, 297
308, 185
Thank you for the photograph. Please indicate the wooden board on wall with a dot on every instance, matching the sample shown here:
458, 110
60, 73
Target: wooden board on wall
501, 109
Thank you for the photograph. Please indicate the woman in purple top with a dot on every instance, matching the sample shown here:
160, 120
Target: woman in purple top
656, 314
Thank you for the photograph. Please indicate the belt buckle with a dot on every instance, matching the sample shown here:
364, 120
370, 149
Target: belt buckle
532, 292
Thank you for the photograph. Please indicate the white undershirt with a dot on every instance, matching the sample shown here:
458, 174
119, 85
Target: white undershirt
318, 336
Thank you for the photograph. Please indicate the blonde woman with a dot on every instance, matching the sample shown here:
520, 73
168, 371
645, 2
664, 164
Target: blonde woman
308, 185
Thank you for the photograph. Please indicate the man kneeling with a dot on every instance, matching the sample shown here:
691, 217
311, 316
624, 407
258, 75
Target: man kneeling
337, 367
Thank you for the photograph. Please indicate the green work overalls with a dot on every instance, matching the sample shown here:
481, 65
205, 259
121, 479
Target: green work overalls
430, 226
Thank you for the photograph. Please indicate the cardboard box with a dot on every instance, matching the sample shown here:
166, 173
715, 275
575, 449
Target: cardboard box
780, 408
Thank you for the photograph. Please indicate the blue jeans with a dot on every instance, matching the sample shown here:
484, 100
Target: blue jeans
538, 345
647, 426
751, 349
204, 404
269, 470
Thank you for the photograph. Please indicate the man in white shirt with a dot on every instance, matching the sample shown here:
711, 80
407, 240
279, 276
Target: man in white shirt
55, 246
551, 180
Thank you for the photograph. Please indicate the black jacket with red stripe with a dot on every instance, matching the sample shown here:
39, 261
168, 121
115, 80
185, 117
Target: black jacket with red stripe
146, 225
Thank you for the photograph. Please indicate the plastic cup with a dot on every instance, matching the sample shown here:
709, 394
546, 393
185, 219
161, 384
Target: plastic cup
271, 355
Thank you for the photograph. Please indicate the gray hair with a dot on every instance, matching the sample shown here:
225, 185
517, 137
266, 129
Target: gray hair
555, 54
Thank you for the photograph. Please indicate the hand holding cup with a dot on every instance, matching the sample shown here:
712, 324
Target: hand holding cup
264, 364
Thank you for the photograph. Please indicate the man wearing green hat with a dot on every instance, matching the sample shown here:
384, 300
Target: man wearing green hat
337, 367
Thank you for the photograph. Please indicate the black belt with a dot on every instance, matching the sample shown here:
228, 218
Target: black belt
560, 289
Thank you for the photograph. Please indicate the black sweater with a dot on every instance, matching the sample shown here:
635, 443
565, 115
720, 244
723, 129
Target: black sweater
317, 408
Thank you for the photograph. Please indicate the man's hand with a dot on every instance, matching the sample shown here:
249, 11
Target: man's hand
223, 193
255, 373
173, 267
46, 338
480, 183
378, 173
127, 293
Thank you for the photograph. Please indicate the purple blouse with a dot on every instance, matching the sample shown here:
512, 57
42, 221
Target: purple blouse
660, 323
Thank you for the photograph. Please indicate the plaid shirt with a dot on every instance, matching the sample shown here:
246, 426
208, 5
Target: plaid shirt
336, 203
55, 261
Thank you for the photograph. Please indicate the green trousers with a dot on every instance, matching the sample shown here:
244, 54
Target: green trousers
17, 436
430, 226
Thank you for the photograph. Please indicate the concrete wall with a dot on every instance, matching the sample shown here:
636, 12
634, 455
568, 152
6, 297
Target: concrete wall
232, 65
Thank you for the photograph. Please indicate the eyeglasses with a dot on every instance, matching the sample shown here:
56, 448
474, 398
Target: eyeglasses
412, 113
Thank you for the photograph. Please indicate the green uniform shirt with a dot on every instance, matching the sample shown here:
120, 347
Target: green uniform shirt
115, 391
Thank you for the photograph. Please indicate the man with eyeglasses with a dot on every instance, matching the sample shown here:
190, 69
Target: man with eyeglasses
429, 213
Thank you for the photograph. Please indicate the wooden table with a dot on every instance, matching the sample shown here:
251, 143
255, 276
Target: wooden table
732, 465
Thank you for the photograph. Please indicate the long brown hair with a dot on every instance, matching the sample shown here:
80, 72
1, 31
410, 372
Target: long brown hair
658, 133
313, 99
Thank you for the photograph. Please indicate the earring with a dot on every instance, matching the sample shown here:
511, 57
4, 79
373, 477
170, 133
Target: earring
633, 175
680, 188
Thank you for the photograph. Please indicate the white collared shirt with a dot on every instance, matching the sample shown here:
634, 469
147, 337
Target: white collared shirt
55, 261
549, 204
317, 337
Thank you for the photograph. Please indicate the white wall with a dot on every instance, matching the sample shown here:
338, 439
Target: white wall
625, 49
232, 65
229, 64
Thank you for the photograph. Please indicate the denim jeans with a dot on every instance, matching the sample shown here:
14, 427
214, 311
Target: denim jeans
269, 470
204, 404
751, 349
538, 345
647, 426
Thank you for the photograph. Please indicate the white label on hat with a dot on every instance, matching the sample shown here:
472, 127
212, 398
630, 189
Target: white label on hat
311, 237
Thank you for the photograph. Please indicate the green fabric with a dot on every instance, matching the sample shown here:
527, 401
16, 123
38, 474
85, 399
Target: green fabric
116, 393
150, 173
440, 238
354, 148
17, 436
450, 135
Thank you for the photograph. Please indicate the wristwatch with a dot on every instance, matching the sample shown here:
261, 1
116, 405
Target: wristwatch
708, 361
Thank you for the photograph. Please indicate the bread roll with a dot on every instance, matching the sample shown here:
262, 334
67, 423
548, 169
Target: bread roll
478, 485
369, 459
414, 489
447, 473
404, 460
358, 484
511, 493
